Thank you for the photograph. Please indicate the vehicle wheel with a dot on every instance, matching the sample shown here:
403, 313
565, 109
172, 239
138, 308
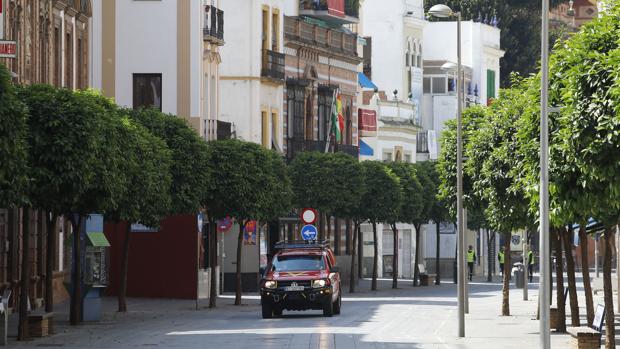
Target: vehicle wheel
338, 305
267, 311
328, 309
277, 312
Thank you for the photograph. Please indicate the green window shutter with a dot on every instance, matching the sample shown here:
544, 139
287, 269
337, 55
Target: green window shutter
490, 84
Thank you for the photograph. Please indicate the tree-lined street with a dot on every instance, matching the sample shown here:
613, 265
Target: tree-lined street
404, 318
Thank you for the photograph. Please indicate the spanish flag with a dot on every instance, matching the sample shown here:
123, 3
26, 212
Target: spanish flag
337, 117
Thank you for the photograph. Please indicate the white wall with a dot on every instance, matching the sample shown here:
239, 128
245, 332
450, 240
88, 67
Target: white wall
146, 42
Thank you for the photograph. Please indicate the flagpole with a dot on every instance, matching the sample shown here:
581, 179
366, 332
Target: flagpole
331, 112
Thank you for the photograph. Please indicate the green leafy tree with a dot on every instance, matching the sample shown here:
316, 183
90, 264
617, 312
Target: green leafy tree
146, 163
245, 187
13, 172
13, 144
69, 172
190, 166
412, 206
382, 200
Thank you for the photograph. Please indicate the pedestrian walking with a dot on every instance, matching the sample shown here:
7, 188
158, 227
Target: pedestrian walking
471, 258
530, 265
500, 258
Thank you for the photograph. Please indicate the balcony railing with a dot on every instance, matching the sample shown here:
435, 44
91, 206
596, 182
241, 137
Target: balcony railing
333, 11
331, 40
273, 65
296, 146
213, 30
218, 130
349, 150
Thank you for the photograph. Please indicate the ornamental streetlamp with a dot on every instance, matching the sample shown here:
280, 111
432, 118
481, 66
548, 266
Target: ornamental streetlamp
443, 11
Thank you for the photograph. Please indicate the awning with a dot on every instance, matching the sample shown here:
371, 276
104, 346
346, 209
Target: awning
97, 239
365, 149
365, 82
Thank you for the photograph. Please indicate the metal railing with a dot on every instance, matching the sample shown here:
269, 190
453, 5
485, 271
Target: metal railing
214, 24
333, 40
273, 65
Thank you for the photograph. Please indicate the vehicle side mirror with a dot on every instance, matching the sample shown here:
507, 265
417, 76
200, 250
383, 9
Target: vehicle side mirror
335, 270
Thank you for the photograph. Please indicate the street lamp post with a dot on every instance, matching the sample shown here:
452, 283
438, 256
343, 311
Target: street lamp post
545, 339
443, 11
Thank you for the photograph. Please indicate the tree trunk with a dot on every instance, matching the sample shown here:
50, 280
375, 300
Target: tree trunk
559, 271
51, 261
23, 330
570, 272
213, 262
329, 227
238, 272
416, 258
610, 328
506, 280
375, 259
395, 258
122, 292
353, 250
585, 270
76, 277
437, 256
360, 251
490, 256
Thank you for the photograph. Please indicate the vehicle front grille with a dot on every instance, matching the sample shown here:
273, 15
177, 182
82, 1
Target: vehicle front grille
305, 283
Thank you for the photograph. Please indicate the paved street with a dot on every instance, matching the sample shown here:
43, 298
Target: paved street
423, 317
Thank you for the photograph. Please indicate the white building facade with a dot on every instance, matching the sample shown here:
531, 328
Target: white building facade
481, 53
388, 125
252, 72
163, 54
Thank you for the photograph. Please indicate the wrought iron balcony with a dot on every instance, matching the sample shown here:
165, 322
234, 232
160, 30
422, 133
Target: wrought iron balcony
273, 65
213, 30
349, 150
296, 146
333, 11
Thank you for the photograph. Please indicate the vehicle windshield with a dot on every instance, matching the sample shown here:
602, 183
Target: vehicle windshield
296, 263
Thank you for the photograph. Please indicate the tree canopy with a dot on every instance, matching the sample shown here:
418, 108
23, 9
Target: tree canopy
383, 193
13, 144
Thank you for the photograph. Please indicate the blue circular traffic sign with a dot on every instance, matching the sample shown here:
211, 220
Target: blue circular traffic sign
309, 232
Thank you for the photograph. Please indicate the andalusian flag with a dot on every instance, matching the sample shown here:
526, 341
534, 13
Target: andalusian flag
337, 118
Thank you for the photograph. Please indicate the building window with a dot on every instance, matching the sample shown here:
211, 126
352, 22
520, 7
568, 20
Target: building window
408, 158
422, 142
265, 39
275, 126
147, 90
324, 109
264, 129
275, 31
57, 57
68, 61
348, 124
426, 85
439, 85
387, 156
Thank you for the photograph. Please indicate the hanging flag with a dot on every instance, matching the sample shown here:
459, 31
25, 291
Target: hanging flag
337, 118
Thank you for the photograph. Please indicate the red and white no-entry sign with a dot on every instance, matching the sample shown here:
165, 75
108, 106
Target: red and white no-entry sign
308, 215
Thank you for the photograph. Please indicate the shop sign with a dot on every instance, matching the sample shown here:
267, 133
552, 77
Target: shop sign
8, 49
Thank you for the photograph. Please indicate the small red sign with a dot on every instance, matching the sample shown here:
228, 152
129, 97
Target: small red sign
8, 49
309, 215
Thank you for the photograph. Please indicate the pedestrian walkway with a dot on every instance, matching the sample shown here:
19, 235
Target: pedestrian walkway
409, 317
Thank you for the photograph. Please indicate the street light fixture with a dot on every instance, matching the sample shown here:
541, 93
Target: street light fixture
443, 11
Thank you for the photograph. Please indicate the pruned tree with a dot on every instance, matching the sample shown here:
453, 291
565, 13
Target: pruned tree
381, 202
246, 186
414, 206
146, 163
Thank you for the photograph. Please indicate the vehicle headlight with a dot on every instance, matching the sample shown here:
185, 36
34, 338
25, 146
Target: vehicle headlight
271, 284
319, 283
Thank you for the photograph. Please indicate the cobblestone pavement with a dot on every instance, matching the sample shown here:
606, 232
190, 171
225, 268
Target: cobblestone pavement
420, 317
